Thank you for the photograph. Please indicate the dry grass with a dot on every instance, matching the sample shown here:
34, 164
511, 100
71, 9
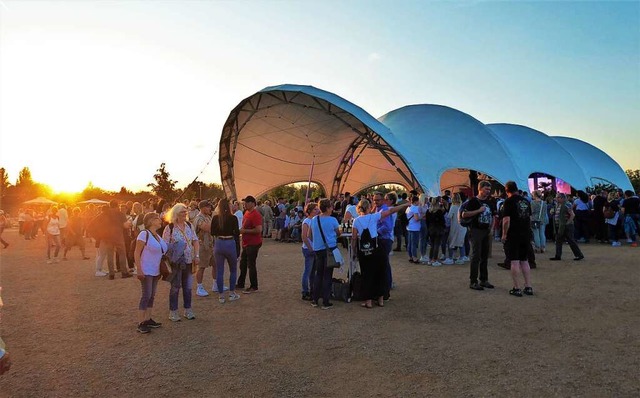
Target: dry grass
72, 334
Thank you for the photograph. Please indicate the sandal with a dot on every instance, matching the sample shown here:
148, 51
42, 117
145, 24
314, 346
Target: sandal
380, 303
366, 305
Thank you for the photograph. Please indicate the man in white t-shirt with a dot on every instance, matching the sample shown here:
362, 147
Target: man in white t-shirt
235, 209
413, 229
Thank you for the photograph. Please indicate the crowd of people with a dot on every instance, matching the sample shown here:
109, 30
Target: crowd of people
138, 238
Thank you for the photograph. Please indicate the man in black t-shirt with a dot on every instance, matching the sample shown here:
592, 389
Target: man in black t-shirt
516, 236
481, 210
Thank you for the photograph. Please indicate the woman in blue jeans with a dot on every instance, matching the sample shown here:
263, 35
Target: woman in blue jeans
323, 274
539, 221
224, 226
150, 248
311, 210
180, 230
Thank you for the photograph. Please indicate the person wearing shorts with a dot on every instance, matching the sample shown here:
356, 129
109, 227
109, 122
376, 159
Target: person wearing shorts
202, 224
516, 236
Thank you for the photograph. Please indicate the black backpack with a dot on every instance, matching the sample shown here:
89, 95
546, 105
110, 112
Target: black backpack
366, 244
464, 221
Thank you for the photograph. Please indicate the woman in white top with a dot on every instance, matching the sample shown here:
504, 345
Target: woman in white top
372, 266
311, 210
424, 231
52, 226
457, 232
147, 255
413, 229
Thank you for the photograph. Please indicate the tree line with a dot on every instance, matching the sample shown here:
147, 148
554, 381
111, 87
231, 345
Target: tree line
12, 196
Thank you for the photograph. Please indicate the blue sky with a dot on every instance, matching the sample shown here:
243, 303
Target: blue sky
137, 83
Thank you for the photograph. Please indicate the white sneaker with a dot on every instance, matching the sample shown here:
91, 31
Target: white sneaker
234, 297
465, 258
49, 261
202, 292
448, 262
214, 288
101, 273
173, 316
390, 253
459, 262
616, 244
424, 259
436, 264
188, 313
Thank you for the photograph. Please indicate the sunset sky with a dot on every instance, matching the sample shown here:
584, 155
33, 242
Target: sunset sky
105, 91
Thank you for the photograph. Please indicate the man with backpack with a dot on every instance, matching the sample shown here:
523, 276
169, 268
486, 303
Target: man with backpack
480, 210
516, 236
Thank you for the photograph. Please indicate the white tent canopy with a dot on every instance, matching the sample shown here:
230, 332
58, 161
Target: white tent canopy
94, 201
290, 133
534, 152
40, 200
286, 134
440, 139
598, 167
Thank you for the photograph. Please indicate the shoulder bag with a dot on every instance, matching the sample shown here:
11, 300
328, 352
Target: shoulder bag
536, 224
331, 260
165, 267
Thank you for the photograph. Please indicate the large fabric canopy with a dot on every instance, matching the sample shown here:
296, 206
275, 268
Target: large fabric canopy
534, 152
598, 167
290, 133
440, 139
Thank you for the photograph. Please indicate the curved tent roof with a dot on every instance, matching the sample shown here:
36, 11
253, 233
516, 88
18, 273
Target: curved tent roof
598, 167
291, 133
438, 139
535, 152
285, 134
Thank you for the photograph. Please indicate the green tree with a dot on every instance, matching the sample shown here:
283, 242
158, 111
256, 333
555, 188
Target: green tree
24, 178
164, 187
634, 177
296, 192
93, 192
4, 184
26, 188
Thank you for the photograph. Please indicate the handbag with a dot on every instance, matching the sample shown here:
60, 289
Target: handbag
331, 260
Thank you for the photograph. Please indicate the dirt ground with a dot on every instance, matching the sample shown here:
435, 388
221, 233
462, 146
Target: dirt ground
72, 334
